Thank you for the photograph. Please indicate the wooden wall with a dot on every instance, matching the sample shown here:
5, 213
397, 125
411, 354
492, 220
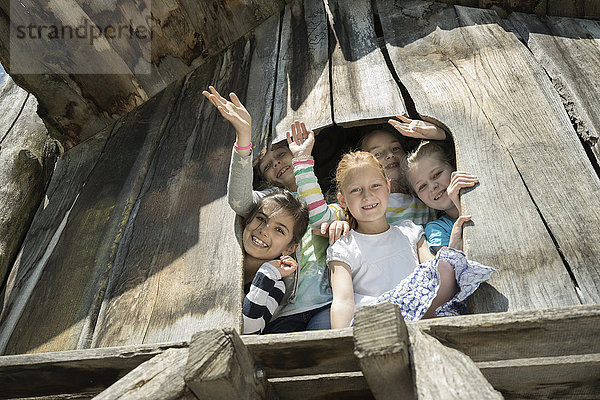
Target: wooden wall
136, 244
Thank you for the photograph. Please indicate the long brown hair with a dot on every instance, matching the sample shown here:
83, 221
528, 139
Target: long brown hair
347, 163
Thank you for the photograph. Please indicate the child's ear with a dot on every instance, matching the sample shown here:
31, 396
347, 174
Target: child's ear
341, 200
290, 250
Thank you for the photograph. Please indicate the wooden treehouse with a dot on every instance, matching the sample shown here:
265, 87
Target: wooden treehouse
120, 268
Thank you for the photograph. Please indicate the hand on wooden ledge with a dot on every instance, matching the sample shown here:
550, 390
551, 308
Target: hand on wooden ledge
456, 239
417, 129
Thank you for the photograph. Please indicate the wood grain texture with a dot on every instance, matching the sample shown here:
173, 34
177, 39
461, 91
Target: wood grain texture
75, 371
303, 87
159, 378
63, 307
220, 367
27, 157
381, 345
71, 173
261, 81
569, 51
478, 82
362, 85
178, 267
304, 353
523, 334
338, 386
444, 373
566, 377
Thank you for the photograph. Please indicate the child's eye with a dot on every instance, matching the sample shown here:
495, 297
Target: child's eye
437, 174
355, 190
376, 185
280, 231
267, 167
260, 218
421, 188
397, 148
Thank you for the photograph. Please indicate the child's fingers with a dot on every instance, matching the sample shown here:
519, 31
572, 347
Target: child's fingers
461, 220
235, 100
288, 137
346, 229
404, 119
324, 227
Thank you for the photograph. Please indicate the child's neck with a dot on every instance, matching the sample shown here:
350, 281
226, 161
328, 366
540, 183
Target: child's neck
251, 265
453, 212
373, 227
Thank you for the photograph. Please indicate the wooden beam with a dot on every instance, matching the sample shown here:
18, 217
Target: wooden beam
381, 346
303, 86
220, 367
565, 377
444, 373
335, 386
74, 371
363, 88
160, 378
304, 353
466, 71
523, 334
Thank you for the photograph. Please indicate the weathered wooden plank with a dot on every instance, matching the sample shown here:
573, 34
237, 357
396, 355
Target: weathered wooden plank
178, 268
159, 378
567, 377
444, 373
303, 87
522, 334
64, 305
381, 345
74, 371
219, 366
261, 81
541, 123
362, 85
572, 63
338, 386
304, 353
27, 157
71, 172
455, 78
566, 8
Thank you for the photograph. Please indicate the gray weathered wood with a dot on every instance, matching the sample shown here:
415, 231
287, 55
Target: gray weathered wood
572, 63
27, 157
479, 81
381, 346
261, 81
338, 386
74, 371
63, 307
522, 334
306, 353
159, 378
220, 367
303, 87
362, 85
444, 373
566, 377
178, 267
71, 172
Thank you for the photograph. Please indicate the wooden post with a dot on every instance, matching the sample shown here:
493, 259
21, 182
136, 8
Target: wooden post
443, 373
381, 346
220, 367
160, 378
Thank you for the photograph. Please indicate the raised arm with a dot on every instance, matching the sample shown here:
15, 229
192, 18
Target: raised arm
342, 307
301, 141
240, 195
418, 129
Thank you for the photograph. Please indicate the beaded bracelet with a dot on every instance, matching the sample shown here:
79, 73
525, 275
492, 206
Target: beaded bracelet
242, 148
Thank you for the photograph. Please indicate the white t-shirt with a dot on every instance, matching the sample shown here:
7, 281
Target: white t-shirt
378, 262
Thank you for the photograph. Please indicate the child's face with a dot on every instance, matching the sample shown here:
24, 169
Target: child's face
276, 167
387, 150
366, 193
429, 178
269, 234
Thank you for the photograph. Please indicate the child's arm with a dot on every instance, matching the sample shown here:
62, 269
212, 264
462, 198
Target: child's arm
423, 251
342, 307
459, 180
301, 142
456, 241
418, 129
239, 185
265, 293
447, 290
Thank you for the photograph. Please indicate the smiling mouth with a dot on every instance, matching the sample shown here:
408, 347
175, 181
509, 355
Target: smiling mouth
370, 206
392, 165
440, 194
259, 243
283, 171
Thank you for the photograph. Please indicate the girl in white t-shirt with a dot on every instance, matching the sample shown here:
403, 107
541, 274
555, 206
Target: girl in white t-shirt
379, 262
